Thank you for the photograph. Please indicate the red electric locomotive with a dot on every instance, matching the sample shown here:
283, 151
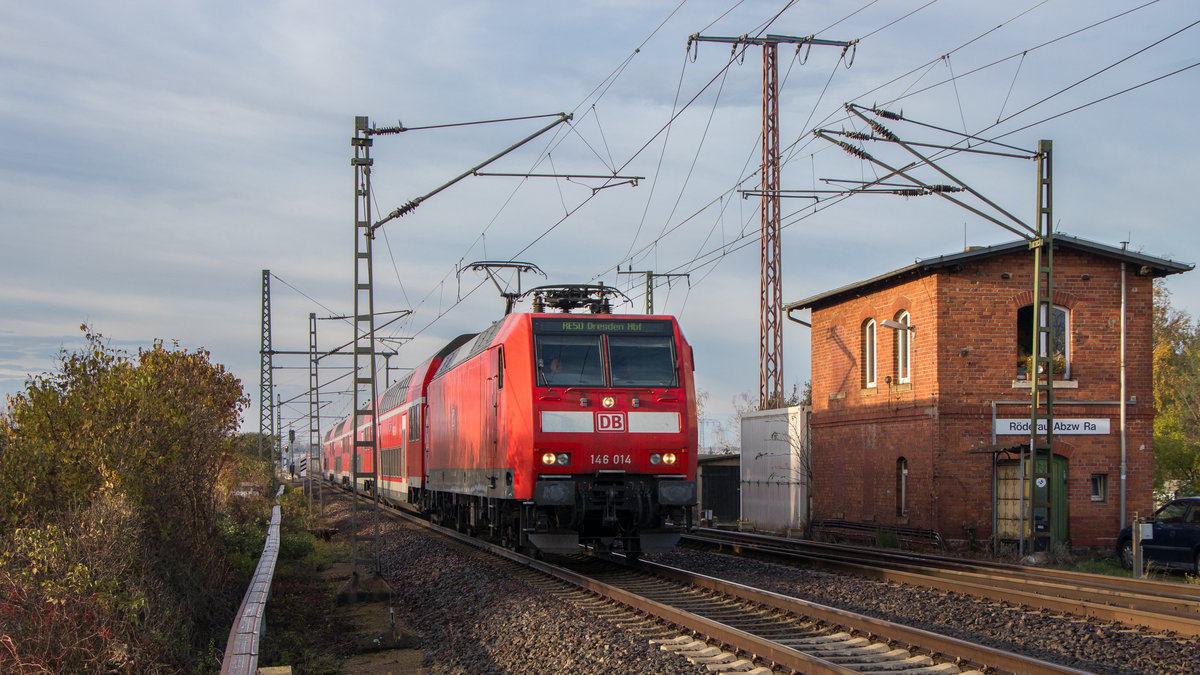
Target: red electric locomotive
546, 430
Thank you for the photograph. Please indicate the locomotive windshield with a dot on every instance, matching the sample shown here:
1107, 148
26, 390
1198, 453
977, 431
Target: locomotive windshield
573, 353
641, 361
569, 361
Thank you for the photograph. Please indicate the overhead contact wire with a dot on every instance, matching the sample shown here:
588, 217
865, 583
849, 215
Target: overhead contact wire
1102, 70
658, 168
604, 84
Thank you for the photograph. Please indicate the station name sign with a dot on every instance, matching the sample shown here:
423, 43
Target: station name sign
651, 327
1093, 426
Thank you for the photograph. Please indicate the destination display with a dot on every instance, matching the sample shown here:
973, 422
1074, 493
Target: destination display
1069, 427
592, 325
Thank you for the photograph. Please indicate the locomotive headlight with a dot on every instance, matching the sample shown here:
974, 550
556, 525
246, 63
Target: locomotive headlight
608, 401
656, 459
668, 458
556, 459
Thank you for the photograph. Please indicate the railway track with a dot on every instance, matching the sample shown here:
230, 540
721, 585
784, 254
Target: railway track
1156, 605
789, 632
726, 627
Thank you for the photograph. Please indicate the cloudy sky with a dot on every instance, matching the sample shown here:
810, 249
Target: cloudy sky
156, 157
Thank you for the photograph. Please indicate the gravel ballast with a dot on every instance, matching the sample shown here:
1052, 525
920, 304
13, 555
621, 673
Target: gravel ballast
474, 615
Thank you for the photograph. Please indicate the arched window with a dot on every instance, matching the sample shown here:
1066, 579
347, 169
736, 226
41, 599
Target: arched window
903, 355
868, 353
1059, 348
901, 486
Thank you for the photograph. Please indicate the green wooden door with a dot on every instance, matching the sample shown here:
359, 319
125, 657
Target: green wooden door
1059, 513
1057, 525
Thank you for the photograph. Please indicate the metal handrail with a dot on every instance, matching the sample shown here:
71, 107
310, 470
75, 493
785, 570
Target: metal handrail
241, 650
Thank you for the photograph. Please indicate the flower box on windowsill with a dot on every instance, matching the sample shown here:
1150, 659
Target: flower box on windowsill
1058, 364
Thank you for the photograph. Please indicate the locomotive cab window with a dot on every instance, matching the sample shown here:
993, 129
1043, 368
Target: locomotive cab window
593, 352
642, 361
569, 361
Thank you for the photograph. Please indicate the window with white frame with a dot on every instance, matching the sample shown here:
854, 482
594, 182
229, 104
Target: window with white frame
868, 353
903, 356
1058, 348
1100, 487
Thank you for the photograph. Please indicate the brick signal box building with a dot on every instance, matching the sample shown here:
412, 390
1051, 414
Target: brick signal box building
921, 395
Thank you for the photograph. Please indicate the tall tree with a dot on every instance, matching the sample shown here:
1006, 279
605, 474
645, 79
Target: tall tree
1176, 397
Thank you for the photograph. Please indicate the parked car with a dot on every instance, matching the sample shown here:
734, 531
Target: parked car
1176, 540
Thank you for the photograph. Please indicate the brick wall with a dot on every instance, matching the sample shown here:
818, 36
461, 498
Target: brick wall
964, 359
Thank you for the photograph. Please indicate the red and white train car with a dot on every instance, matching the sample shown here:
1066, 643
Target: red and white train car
545, 430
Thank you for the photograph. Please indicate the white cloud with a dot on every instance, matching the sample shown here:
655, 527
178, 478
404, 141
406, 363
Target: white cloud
157, 157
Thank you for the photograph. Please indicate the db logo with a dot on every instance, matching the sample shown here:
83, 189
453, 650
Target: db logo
610, 421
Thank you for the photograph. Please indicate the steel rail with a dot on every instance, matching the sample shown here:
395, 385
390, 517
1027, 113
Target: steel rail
757, 647
915, 638
1148, 586
1184, 596
1157, 607
735, 639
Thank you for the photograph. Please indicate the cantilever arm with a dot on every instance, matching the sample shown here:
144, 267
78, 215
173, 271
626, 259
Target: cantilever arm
562, 117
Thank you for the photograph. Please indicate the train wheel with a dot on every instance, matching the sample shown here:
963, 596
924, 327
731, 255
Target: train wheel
509, 539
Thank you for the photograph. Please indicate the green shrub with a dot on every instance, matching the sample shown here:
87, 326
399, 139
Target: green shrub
295, 546
243, 544
111, 558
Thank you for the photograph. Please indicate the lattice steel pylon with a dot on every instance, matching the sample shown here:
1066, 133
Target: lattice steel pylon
279, 425
265, 389
770, 335
1041, 408
650, 277
366, 386
770, 332
1045, 516
314, 418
